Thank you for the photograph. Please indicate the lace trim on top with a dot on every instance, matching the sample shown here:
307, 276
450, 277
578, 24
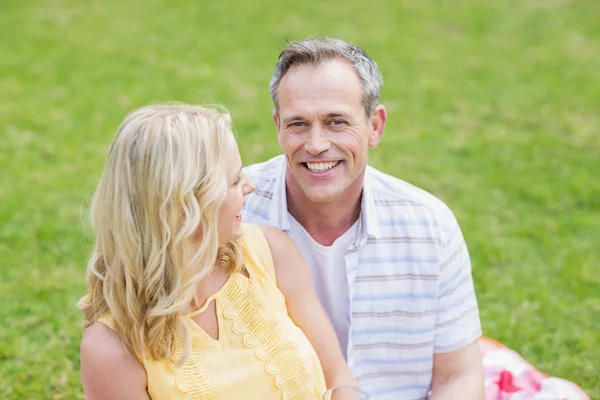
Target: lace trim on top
192, 379
260, 331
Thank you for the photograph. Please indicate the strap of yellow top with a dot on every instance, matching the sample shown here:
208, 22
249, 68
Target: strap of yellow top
258, 249
107, 320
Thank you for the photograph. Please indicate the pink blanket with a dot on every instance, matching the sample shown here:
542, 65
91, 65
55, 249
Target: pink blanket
509, 377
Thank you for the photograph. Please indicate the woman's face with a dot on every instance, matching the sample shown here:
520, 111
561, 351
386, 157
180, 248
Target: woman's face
238, 186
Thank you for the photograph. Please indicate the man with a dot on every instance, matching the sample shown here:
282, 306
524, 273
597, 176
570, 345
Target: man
388, 260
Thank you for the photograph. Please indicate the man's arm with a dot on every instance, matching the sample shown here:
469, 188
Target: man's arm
457, 364
458, 374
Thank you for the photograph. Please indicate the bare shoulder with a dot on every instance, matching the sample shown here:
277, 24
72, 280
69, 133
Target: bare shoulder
99, 342
107, 369
279, 242
290, 267
285, 253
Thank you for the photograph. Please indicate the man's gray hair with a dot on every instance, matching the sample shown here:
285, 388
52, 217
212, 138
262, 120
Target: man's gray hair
314, 52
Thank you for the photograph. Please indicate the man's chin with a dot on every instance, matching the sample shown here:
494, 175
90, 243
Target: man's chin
315, 190
322, 195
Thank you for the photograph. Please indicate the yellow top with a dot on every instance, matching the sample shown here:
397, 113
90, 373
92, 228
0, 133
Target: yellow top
260, 353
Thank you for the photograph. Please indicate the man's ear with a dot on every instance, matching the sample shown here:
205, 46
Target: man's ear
377, 125
276, 121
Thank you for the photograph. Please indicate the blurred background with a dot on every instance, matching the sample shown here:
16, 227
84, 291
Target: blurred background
493, 107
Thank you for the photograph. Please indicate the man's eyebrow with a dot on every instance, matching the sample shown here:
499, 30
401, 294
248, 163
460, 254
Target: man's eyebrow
336, 114
298, 117
292, 118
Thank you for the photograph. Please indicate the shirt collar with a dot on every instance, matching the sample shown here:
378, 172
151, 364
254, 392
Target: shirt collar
368, 210
280, 217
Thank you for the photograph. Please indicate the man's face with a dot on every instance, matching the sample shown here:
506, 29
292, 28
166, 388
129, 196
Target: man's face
323, 130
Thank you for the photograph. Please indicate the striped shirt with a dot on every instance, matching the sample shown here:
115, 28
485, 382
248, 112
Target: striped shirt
409, 273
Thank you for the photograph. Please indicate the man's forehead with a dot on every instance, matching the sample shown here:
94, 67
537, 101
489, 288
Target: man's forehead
333, 65
331, 75
317, 95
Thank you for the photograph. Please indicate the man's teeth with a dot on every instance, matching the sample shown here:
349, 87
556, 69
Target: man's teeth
321, 167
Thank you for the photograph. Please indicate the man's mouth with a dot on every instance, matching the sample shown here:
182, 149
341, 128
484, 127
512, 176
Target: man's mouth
321, 167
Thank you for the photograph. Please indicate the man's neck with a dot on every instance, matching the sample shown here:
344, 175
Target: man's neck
325, 221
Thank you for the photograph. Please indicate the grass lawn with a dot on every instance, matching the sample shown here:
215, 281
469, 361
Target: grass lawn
493, 107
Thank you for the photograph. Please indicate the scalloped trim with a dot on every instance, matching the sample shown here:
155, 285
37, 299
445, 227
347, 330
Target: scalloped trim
261, 332
194, 381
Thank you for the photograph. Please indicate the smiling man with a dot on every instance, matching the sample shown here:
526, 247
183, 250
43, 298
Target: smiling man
388, 260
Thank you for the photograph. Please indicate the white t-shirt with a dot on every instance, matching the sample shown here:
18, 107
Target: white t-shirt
327, 266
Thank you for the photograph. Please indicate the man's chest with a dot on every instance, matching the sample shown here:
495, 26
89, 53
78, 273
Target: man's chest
394, 299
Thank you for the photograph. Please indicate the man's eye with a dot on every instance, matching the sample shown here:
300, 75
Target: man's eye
337, 122
297, 123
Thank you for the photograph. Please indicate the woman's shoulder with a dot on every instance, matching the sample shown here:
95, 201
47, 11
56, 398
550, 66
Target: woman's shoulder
107, 368
277, 239
279, 242
250, 229
282, 248
102, 343
268, 247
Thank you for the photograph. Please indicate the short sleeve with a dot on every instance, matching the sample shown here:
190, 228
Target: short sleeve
457, 321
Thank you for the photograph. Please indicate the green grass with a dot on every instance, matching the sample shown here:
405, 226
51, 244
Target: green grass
493, 107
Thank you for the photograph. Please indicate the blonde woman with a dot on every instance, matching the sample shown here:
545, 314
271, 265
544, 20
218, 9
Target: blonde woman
185, 301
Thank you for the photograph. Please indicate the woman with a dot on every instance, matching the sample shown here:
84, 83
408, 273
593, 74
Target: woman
186, 302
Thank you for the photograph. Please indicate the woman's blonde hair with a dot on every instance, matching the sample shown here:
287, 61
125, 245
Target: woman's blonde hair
154, 219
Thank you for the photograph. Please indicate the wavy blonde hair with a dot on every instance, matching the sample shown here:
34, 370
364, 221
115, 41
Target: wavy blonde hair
154, 219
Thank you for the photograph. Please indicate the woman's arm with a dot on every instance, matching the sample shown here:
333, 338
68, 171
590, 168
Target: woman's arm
304, 307
107, 370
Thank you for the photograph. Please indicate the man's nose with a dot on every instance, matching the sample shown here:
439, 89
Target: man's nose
317, 142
